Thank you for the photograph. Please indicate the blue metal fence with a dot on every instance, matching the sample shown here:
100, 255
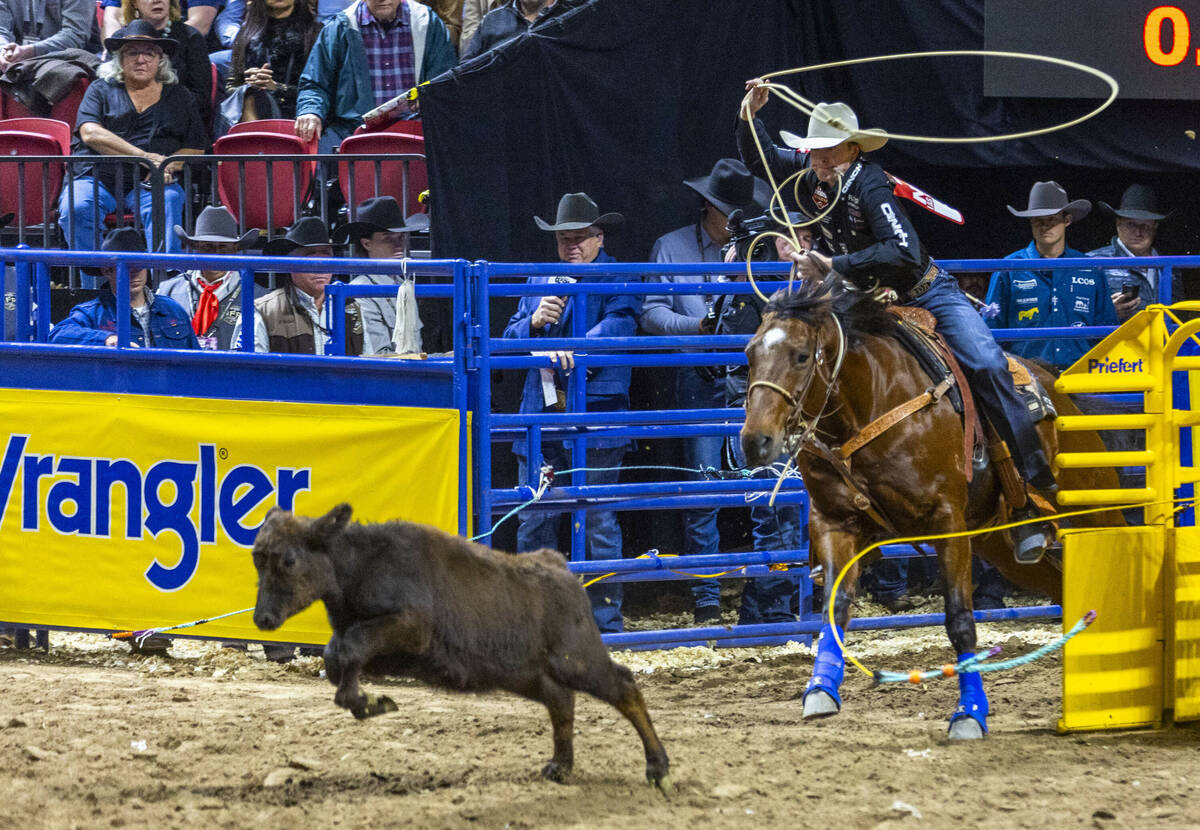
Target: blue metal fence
464, 380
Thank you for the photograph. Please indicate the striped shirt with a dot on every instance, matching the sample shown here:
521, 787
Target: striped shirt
390, 57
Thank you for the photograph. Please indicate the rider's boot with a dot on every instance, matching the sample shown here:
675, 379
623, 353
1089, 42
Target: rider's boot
1029, 540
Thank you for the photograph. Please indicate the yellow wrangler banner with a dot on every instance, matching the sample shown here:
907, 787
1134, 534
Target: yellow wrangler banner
123, 512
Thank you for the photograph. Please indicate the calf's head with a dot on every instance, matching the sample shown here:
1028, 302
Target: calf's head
291, 555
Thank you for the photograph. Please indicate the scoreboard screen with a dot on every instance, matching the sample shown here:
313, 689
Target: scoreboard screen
1151, 48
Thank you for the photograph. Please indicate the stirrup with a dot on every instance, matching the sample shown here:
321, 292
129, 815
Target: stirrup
1029, 541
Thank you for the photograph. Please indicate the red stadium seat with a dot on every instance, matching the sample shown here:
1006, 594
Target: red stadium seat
34, 203
65, 110
412, 127
273, 125
362, 185
287, 191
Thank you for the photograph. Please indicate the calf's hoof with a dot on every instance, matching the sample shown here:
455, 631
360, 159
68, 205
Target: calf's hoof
818, 703
965, 729
556, 771
375, 705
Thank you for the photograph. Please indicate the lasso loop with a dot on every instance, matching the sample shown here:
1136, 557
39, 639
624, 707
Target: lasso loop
804, 105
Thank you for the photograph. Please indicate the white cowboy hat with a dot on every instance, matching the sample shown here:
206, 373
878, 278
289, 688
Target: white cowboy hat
830, 125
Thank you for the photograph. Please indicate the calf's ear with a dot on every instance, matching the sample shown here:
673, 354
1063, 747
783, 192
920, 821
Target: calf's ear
332, 522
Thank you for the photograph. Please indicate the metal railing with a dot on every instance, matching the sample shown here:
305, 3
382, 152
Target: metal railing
316, 189
477, 355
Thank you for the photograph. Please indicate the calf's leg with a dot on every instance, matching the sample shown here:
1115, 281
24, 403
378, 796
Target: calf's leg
362, 642
560, 702
614, 684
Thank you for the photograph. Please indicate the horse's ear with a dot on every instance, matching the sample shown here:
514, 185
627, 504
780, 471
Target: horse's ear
333, 522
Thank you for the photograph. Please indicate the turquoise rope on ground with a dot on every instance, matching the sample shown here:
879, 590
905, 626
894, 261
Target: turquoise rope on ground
976, 663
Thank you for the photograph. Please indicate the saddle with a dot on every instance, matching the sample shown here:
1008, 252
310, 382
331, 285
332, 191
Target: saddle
917, 332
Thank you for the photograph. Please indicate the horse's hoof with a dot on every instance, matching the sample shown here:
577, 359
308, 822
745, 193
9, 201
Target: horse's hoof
376, 705
663, 783
818, 703
556, 771
966, 729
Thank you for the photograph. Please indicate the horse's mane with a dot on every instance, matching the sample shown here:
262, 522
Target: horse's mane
810, 302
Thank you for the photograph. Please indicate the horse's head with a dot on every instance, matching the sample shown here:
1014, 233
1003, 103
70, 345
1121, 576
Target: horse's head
784, 355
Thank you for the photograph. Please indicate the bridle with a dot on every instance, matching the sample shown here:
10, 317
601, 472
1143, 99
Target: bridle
798, 428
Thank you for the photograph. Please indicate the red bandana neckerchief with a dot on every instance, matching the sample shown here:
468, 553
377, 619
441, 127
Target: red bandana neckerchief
207, 307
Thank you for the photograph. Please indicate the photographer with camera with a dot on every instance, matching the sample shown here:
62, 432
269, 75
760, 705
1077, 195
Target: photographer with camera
728, 188
579, 230
765, 599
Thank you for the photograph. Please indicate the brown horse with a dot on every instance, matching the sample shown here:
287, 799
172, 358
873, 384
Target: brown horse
818, 376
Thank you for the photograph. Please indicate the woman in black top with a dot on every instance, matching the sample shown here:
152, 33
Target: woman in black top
190, 62
269, 55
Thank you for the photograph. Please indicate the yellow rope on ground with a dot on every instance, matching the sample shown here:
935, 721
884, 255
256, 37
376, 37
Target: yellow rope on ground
966, 533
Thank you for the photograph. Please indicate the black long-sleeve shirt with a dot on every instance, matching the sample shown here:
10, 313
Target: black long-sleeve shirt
868, 231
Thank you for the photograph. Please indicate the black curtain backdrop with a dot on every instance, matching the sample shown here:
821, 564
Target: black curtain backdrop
625, 98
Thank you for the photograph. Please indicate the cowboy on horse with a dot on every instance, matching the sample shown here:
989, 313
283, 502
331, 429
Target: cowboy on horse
875, 246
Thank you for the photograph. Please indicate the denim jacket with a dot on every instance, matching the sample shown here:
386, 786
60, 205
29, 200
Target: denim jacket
91, 324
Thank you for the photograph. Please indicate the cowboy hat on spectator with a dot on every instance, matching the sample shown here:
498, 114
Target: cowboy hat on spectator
1138, 202
381, 214
731, 186
216, 224
140, 31
124, 240
577, 211
1049, 198
308, 232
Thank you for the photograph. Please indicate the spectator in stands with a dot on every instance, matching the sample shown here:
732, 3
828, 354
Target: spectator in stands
513, 18
32, 29
381, 232
473, 12
158, 322
199, 14
579, 230
450, 12
190, 61
225, 28
291, 319
367, 55
765, 599
268, 56
728, 187
212, 297
1133, 288
1038, 298
135, 108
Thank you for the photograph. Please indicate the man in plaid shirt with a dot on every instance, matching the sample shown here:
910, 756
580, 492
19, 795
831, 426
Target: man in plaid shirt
368, 54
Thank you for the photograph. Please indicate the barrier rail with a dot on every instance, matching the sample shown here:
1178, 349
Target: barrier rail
476, 355
314, 178
1140, 666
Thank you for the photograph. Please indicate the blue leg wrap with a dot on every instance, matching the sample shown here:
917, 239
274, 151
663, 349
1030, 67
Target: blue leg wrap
830, 665
972, 700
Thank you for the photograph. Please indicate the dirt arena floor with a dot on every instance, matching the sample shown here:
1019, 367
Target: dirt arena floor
93, 737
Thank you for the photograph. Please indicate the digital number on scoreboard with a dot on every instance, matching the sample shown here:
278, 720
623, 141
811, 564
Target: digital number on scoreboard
1151, 48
